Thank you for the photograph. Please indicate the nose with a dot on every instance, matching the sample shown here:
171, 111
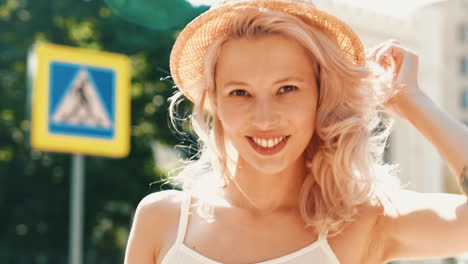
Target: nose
265, 115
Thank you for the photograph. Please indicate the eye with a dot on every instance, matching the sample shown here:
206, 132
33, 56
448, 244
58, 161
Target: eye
288, 88
239, 93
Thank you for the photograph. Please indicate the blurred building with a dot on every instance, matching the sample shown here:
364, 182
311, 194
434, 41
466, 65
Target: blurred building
438, 33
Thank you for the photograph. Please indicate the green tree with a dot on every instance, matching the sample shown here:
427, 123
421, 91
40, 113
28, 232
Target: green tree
34, 185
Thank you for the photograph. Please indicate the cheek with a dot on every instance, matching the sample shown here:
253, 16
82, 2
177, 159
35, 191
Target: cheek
304, 115
230, 119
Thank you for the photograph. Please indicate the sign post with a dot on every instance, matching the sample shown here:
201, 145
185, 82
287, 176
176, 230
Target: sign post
80, 104
76, 210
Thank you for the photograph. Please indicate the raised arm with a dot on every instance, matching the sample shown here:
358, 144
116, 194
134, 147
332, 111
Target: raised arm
426, 225
447, 135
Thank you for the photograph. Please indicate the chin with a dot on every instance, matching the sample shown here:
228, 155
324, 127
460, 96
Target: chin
268, 167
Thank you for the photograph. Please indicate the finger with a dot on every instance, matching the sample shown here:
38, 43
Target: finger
393, 57
392, 50
373, 53
383, 53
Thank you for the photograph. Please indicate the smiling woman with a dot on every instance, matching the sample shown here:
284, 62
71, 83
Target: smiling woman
292, 126
271, 76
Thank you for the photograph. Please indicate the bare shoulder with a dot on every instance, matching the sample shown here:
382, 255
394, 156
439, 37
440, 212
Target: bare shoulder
361, 232
154, 216
370, 225
367, 217
166, 200
159, 210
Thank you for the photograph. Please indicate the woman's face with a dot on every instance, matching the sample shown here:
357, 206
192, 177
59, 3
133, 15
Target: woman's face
266, 100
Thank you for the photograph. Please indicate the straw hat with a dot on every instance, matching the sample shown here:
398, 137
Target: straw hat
187, 56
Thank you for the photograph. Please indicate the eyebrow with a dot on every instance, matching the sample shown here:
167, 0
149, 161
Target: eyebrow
289, 78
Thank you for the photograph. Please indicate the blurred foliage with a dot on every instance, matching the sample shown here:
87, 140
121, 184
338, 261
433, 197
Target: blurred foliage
154, 14
34, 185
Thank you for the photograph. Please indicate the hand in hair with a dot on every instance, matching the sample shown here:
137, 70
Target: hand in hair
403, 64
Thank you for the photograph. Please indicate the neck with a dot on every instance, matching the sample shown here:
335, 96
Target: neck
263, 193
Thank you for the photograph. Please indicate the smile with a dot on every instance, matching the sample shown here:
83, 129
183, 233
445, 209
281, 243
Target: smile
268, 146
268, 143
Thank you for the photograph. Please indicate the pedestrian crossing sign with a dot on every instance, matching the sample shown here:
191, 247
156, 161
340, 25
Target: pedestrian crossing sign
80, 101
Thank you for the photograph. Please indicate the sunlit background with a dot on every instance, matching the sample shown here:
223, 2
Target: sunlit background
35, 185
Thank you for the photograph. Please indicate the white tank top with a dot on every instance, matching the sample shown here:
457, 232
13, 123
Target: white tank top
318, 252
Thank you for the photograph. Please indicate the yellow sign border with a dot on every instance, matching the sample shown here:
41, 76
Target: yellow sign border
41, 139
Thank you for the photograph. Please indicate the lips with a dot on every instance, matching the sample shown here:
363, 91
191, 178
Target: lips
269, 146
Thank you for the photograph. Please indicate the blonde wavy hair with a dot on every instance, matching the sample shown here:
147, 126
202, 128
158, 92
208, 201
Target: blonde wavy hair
345, 155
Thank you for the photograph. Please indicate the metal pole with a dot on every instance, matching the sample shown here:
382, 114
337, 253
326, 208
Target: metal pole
76, 210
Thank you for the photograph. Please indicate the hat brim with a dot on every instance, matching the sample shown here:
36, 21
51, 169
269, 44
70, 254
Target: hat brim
187, 55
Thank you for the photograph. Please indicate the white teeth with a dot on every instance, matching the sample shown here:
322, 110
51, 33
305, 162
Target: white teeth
268, 143
276, 141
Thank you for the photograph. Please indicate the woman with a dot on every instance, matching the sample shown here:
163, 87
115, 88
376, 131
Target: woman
292, 126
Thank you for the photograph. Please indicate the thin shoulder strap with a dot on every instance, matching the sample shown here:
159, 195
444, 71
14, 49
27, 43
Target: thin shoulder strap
323, 235
184, 215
